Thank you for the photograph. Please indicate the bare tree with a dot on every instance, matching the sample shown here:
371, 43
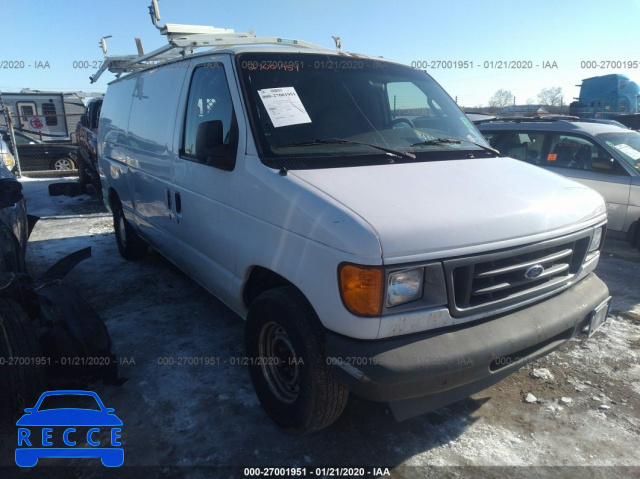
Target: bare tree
500, 99
551, 97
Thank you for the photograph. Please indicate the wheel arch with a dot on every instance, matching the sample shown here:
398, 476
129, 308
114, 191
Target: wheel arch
114, 198
261, 279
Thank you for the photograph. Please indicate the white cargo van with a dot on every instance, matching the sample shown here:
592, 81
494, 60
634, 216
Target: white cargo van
348, 210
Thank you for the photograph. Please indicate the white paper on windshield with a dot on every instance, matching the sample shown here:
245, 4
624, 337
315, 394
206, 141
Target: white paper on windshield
284, 106
626, 149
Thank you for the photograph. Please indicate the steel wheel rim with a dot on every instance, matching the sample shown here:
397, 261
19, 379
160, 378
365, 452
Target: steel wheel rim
279, 362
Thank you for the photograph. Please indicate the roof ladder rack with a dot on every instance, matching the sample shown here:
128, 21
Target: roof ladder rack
183, 40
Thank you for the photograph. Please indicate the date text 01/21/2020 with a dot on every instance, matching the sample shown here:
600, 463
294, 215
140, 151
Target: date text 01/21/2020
232, 361
487, 64
65, 361
21, 64
317, 471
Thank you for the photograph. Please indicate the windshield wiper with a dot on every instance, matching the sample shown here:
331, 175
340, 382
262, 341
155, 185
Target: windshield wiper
438, 141
334, 141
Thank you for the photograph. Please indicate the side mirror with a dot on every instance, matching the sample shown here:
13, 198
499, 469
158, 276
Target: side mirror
10, 192
210, 147
83, 120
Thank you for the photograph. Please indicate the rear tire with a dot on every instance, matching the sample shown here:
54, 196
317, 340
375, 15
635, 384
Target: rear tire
22, 372
130, 245
83, 178
87, 175
288, 368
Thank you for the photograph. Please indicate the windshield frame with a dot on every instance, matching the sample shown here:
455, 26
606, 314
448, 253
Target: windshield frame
321, 154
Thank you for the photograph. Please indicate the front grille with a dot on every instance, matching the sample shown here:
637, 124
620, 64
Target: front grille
499, 279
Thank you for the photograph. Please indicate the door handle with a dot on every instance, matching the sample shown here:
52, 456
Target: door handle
178, 204
168, 200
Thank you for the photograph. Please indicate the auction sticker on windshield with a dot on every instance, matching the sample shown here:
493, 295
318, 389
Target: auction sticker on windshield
632, 152
284, 106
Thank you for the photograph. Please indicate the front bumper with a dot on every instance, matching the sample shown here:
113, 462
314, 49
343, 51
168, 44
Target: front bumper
424, 371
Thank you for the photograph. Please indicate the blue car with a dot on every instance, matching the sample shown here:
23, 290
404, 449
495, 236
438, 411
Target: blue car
31, 448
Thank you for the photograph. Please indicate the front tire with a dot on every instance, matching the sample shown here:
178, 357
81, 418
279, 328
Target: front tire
63, 163
130, 245
288, 368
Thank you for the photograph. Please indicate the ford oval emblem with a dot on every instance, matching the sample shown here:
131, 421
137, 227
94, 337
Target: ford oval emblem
534, 271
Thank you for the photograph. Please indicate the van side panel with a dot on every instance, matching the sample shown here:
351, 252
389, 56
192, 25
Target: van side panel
112, 142
150, 147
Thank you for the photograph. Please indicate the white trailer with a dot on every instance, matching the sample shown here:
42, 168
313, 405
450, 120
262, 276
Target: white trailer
51, 116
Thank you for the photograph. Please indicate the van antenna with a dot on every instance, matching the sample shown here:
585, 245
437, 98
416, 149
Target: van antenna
154, 12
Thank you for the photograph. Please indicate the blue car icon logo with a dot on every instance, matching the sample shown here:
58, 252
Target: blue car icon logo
69, 432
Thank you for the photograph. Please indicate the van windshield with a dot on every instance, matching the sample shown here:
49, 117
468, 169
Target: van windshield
318, 111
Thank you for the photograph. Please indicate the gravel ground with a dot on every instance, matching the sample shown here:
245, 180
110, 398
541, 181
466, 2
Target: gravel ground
574, 413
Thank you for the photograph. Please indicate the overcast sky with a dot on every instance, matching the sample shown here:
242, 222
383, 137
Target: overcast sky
562, 34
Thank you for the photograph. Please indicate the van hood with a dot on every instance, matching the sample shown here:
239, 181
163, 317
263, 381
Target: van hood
460, 206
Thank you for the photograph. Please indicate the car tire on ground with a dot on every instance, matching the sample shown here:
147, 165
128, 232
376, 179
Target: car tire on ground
83, 177
63, 163
22, 369
285, 351
130, 245
97, 185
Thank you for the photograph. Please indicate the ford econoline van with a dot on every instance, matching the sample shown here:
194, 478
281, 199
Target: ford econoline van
347, 209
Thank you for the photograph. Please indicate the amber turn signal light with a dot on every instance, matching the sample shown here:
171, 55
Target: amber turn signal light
361, 289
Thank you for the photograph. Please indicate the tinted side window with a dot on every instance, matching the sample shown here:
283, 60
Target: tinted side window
21, 140
569, 151
521, 145
49, 112
210, 102
94, 115
26, 110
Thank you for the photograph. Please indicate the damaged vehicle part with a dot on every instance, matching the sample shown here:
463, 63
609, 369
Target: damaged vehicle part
22, 372
73, 337
49, 335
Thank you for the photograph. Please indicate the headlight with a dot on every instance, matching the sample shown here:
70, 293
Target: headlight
404, 286
596, 239
7, 159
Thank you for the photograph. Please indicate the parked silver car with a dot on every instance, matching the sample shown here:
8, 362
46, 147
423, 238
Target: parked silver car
602, 156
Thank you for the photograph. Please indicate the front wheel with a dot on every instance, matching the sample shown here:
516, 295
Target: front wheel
130, 245
285, 349
63, 163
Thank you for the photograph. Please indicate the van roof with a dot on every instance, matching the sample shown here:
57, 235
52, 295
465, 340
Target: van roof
184, 40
